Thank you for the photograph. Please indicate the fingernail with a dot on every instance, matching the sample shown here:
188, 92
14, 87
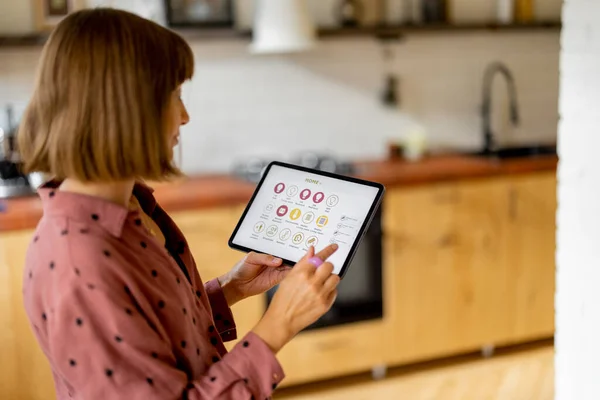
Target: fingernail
335, 246
276, 259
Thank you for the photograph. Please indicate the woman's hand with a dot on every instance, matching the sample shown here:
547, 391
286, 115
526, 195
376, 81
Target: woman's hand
254, 274
302, 298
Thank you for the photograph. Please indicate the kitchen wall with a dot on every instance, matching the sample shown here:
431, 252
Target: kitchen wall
16, 17
578, 276
327, 100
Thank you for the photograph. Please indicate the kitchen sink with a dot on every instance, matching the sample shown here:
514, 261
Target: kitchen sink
518, 152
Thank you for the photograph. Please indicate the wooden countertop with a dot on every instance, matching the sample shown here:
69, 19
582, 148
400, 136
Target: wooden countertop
222, 190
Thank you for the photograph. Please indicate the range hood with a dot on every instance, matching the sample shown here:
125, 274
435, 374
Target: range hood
282, 26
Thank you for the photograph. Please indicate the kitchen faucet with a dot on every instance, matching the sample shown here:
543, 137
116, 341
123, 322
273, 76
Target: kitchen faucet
486, 109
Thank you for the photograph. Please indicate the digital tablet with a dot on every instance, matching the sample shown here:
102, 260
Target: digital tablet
295, 207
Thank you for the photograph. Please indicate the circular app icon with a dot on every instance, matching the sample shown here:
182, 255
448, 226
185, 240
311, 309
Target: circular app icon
272, 230
269, 207
318, 197
292, 191
322, 221
332, 200
298, 238
280, 187
312, 241
282, 210
305, 194
285, 234
259, 227
295, 214
332, 241
308, 217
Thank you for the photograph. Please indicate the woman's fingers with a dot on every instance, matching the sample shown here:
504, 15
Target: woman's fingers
262, 259
327, 252
331, 298
308, 264
310, 253
323, 273
331, 283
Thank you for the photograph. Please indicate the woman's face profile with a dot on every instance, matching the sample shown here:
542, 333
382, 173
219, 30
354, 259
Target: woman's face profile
176, 116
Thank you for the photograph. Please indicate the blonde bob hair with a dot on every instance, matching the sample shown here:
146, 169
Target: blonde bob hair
98, 111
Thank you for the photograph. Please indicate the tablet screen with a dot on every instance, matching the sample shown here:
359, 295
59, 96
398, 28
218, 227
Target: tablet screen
294, 209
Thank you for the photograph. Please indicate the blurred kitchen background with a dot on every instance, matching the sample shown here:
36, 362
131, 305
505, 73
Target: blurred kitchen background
245, 104
453, 104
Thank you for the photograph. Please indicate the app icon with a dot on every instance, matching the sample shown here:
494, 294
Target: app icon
282, 210
305, 194
295, 214
292, 191
308, 217
332, 200
259, 227
318, 197
272, 230
298, 238
269, 207
285, 234
322, 221
312, 241
280, 187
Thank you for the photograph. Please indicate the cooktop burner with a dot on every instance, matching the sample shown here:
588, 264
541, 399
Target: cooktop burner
252, 168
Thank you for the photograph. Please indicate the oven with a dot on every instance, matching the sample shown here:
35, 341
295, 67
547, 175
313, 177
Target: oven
360, 294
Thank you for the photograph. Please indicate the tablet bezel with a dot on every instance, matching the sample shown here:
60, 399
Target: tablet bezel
367, 222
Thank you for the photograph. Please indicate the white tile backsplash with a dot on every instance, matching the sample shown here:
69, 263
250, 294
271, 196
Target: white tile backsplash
243, 105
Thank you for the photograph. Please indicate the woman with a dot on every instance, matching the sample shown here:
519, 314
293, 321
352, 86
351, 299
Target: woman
110, 287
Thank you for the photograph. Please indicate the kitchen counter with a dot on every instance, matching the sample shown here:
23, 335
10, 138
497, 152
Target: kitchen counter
205, 191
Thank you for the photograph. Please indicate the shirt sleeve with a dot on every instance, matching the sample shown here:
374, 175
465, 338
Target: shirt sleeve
222, 315
103, 349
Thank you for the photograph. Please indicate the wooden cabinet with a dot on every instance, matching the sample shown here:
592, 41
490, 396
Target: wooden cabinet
469, 264
531, 255
448, 281
207, 232
24, 371
466, 264
335, 351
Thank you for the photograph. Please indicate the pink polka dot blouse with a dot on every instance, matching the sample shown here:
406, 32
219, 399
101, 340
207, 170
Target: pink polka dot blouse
120, 315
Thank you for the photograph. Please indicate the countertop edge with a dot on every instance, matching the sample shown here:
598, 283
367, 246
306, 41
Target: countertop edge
212, 191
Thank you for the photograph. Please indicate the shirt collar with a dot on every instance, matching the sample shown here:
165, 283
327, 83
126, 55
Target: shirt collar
110, 216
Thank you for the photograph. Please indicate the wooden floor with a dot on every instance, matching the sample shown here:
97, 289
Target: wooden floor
527, 374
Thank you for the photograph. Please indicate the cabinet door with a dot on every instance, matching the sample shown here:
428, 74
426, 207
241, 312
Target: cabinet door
447, 285
332, 352
24, 371
531, 251
207, 232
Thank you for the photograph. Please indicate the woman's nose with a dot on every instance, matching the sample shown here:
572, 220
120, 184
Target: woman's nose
185, 117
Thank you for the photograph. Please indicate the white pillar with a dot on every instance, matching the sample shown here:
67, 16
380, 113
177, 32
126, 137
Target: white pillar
578, 240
